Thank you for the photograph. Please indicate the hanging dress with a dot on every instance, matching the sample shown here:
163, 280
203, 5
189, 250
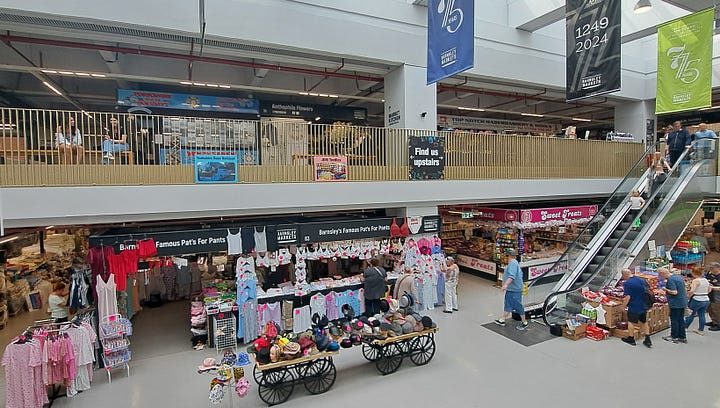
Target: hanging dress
107, 300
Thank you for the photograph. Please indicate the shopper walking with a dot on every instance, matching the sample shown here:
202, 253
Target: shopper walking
374, 282
635, 289
677, 141
677, 300
636, 204
452, 272
699, 300
513, 287
713, 277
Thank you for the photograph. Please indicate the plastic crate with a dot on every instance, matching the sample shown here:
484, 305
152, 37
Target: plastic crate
686, 257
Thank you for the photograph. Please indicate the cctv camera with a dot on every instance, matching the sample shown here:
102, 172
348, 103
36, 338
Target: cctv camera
422, 115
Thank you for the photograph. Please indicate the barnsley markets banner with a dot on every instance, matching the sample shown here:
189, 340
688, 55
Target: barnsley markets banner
684, 71
592, 30
451, 34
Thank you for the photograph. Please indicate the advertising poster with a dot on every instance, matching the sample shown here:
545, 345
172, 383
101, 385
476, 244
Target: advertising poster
150, 99
451, 38
684, 71
330, 168
215, 168
592, 30
427, 158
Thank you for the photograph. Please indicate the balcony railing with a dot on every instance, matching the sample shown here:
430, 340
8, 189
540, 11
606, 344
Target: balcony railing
37, 149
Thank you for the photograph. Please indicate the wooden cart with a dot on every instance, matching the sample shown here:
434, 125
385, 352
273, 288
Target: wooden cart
388, 354
276, 381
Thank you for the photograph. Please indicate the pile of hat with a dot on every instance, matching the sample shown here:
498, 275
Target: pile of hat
397, 318
273, 345
229, 369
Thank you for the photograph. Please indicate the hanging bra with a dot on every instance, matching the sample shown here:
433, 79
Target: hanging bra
405, 229
301, 254
263, 260
394, 229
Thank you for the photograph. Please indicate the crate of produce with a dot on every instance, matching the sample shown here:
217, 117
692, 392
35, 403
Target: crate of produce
683, 257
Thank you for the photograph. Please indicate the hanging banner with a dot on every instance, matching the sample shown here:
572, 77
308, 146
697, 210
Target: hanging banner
451, 34
330, 168
216, 168
592, 30
427, 158
151, 99
684, 71
580, 212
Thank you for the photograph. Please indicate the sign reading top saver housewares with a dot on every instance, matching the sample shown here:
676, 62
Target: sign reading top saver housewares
684, 71
151, 99
451, 35
592, 47
427, 158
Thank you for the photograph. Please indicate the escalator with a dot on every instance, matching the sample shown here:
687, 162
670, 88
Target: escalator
590, 249
665, 216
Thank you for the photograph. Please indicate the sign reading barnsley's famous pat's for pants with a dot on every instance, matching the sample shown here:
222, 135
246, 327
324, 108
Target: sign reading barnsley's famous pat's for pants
684, 71
451, 38
427, 158
592, 47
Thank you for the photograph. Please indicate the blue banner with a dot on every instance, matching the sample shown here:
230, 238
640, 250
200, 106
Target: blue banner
451, 34
187, 156
151, 99
216, 168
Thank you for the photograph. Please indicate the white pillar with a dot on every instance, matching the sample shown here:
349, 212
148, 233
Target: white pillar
409, 102
637, 118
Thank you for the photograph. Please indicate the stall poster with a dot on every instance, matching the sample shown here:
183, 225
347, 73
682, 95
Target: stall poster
476, 264
151, 99
495, 214
536, 271
451, 38
330, 168
684, 70
211, 168
592, 30
559, 213
427, 158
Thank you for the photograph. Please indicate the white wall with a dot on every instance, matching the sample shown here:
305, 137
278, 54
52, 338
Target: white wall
30, 207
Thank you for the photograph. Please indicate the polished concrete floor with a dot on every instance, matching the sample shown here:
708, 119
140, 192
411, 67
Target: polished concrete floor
473, 367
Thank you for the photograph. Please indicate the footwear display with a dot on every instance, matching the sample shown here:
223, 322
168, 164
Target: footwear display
500, 322
629, 340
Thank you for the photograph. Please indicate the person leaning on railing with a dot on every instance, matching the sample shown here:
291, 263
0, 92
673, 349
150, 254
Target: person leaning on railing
68, 140
115, 140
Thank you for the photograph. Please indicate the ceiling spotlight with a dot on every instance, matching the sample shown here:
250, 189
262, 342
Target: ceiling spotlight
642, 6
317, 118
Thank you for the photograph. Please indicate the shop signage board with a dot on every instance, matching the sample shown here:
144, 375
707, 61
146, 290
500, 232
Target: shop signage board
169, 100
187, 156
451, 38
330, 168
174, 242
342, 230
558, 213
286, 234
311, 111
476, 264
216, 168
684, 70
496, 214
592, 30
535, 271
500, 125
426, 158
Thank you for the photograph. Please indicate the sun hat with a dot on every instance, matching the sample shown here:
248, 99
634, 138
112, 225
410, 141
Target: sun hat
243, 359
242, 386
333, 346
322, 342
427, 322
346, 343
261, 343
263, 356
385, 326
373, 322
357, 325
229, 358
356, 339
208, 364
408, 327
291, 348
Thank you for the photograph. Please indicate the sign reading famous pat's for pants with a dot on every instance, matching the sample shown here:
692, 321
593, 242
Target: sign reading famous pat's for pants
684, 71
451, 35
427, 158
592, 47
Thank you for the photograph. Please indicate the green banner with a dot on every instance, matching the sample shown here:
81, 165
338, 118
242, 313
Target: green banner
684, 72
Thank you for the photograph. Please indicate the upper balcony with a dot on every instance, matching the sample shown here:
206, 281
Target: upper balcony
38, 148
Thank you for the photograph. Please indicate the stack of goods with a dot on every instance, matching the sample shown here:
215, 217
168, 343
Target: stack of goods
273, 346
114, 330
657, 316
687, 252
229, 369
198, 320
16, 296
3, 299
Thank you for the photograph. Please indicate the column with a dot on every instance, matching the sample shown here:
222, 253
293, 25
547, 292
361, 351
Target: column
637, 118
409, 102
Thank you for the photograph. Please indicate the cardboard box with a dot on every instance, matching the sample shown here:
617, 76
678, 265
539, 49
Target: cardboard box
620, 333
576, 334
613, 314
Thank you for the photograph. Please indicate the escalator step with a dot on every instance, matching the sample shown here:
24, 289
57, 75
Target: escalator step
611, 242
605, 251
625, 225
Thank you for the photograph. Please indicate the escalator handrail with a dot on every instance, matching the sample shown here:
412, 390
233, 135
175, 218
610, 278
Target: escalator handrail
552, 295
593, 220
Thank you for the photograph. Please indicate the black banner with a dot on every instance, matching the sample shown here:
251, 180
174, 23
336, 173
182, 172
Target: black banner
343, 230
593, 47
286, 234
427, 158
188, 242
310, 112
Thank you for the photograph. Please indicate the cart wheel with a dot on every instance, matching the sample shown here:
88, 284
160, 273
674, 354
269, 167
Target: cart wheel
275, 386
319, 376
423, 350
257, 374
371, 352
390, 359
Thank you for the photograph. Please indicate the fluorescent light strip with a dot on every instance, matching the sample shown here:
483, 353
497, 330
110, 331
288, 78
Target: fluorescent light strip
710, 107
225, 86
6, 240
66, 73
185, 83
535, 115
49, 71
582, 120
83, 74
471, 109
98, 75
52, 87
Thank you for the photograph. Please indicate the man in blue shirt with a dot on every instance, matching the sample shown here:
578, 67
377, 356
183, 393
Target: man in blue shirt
677, 141
678, 301
705, 142
635, 289
513, 287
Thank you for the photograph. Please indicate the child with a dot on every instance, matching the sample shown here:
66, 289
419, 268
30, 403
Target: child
58, 303
636, 204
